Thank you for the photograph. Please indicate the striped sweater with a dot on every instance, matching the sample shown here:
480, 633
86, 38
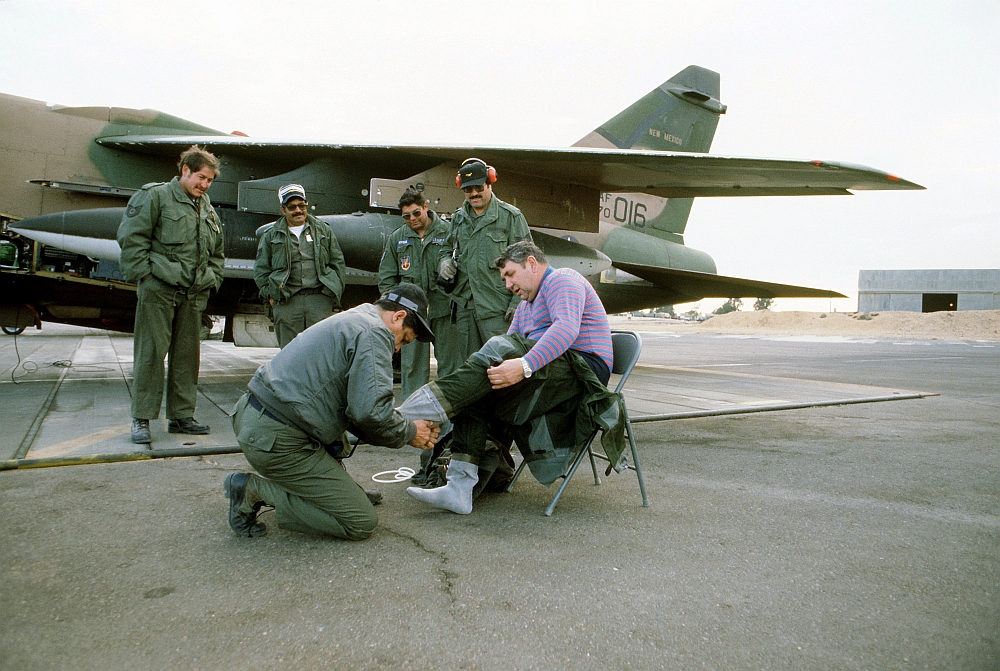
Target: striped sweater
566, 314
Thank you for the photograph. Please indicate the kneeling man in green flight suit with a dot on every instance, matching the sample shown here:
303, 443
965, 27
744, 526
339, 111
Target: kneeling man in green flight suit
300, 267
334, 377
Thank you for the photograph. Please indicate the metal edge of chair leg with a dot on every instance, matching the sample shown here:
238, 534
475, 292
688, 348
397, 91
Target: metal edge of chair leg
517, 474
566, 478
593, 465
635, 454
638, 468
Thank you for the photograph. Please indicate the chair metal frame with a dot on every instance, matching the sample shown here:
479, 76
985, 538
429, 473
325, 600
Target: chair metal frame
627, 348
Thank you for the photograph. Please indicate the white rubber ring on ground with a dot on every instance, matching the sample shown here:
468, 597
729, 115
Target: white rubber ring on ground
401, 474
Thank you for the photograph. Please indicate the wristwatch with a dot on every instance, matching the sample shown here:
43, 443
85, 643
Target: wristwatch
527, 369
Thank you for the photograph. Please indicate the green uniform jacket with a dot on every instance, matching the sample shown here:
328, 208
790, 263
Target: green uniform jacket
408, 259
274, 260
480, 241
336, 375
179, 241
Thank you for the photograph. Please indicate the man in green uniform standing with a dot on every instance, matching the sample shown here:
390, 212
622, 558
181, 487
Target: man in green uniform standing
172, 246
335, 376
412, 254
480, 230
300, 268
482, 307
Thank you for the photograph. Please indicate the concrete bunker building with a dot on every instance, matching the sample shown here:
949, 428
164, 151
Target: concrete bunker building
928, 290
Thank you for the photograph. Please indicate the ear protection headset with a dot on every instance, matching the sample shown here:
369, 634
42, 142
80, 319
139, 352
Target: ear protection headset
491, 172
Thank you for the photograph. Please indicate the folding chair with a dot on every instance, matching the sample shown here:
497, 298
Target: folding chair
627, 346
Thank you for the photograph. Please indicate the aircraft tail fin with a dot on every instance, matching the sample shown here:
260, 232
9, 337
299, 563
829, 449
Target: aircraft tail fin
679, 115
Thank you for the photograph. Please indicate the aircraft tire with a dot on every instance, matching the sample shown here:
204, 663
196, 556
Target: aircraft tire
9, 330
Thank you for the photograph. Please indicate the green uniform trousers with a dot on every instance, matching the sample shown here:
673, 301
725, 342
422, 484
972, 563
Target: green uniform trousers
415, 365
415, 362
311, 491
415, 358
472, 333
467, 335
294, 315
167, 323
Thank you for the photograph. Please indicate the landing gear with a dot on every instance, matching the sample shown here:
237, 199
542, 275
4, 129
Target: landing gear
12, 330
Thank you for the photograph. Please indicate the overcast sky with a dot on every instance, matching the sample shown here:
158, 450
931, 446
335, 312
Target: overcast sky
912, 88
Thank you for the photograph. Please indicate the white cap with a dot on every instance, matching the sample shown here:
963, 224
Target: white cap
289, 191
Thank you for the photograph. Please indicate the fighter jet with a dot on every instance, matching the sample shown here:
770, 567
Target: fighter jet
613, 206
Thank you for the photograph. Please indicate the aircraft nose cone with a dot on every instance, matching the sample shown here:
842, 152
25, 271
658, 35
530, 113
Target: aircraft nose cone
97, 223
46, 223
89, 232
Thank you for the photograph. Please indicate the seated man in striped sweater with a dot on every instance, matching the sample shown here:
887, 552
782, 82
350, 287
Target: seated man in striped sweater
560, 337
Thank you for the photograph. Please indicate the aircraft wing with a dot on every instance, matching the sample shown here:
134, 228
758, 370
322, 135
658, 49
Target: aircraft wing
665, 174
708, 285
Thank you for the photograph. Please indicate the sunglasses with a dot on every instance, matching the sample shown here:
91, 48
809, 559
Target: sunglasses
304, 206
477, 189
412, 215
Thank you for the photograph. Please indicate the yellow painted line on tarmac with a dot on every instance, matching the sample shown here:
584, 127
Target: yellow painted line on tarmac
77, 444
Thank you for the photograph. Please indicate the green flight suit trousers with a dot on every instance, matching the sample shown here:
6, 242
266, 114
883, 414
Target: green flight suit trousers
294, 315
466, 335
415, 358
311, 492
167, 324
415, 362
415, 366
471, 332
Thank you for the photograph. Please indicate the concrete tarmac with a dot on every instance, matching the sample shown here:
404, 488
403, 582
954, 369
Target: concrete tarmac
848, 537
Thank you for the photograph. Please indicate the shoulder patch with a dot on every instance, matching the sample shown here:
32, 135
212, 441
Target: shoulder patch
133, 210
508, 207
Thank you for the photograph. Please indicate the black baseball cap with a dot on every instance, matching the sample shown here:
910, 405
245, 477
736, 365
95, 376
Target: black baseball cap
472, 173
412, 298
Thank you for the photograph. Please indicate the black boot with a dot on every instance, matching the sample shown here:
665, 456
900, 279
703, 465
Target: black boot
242, 524
140, 431
187, 425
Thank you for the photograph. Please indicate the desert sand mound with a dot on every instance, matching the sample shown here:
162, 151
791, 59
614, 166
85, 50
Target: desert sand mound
965, 325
